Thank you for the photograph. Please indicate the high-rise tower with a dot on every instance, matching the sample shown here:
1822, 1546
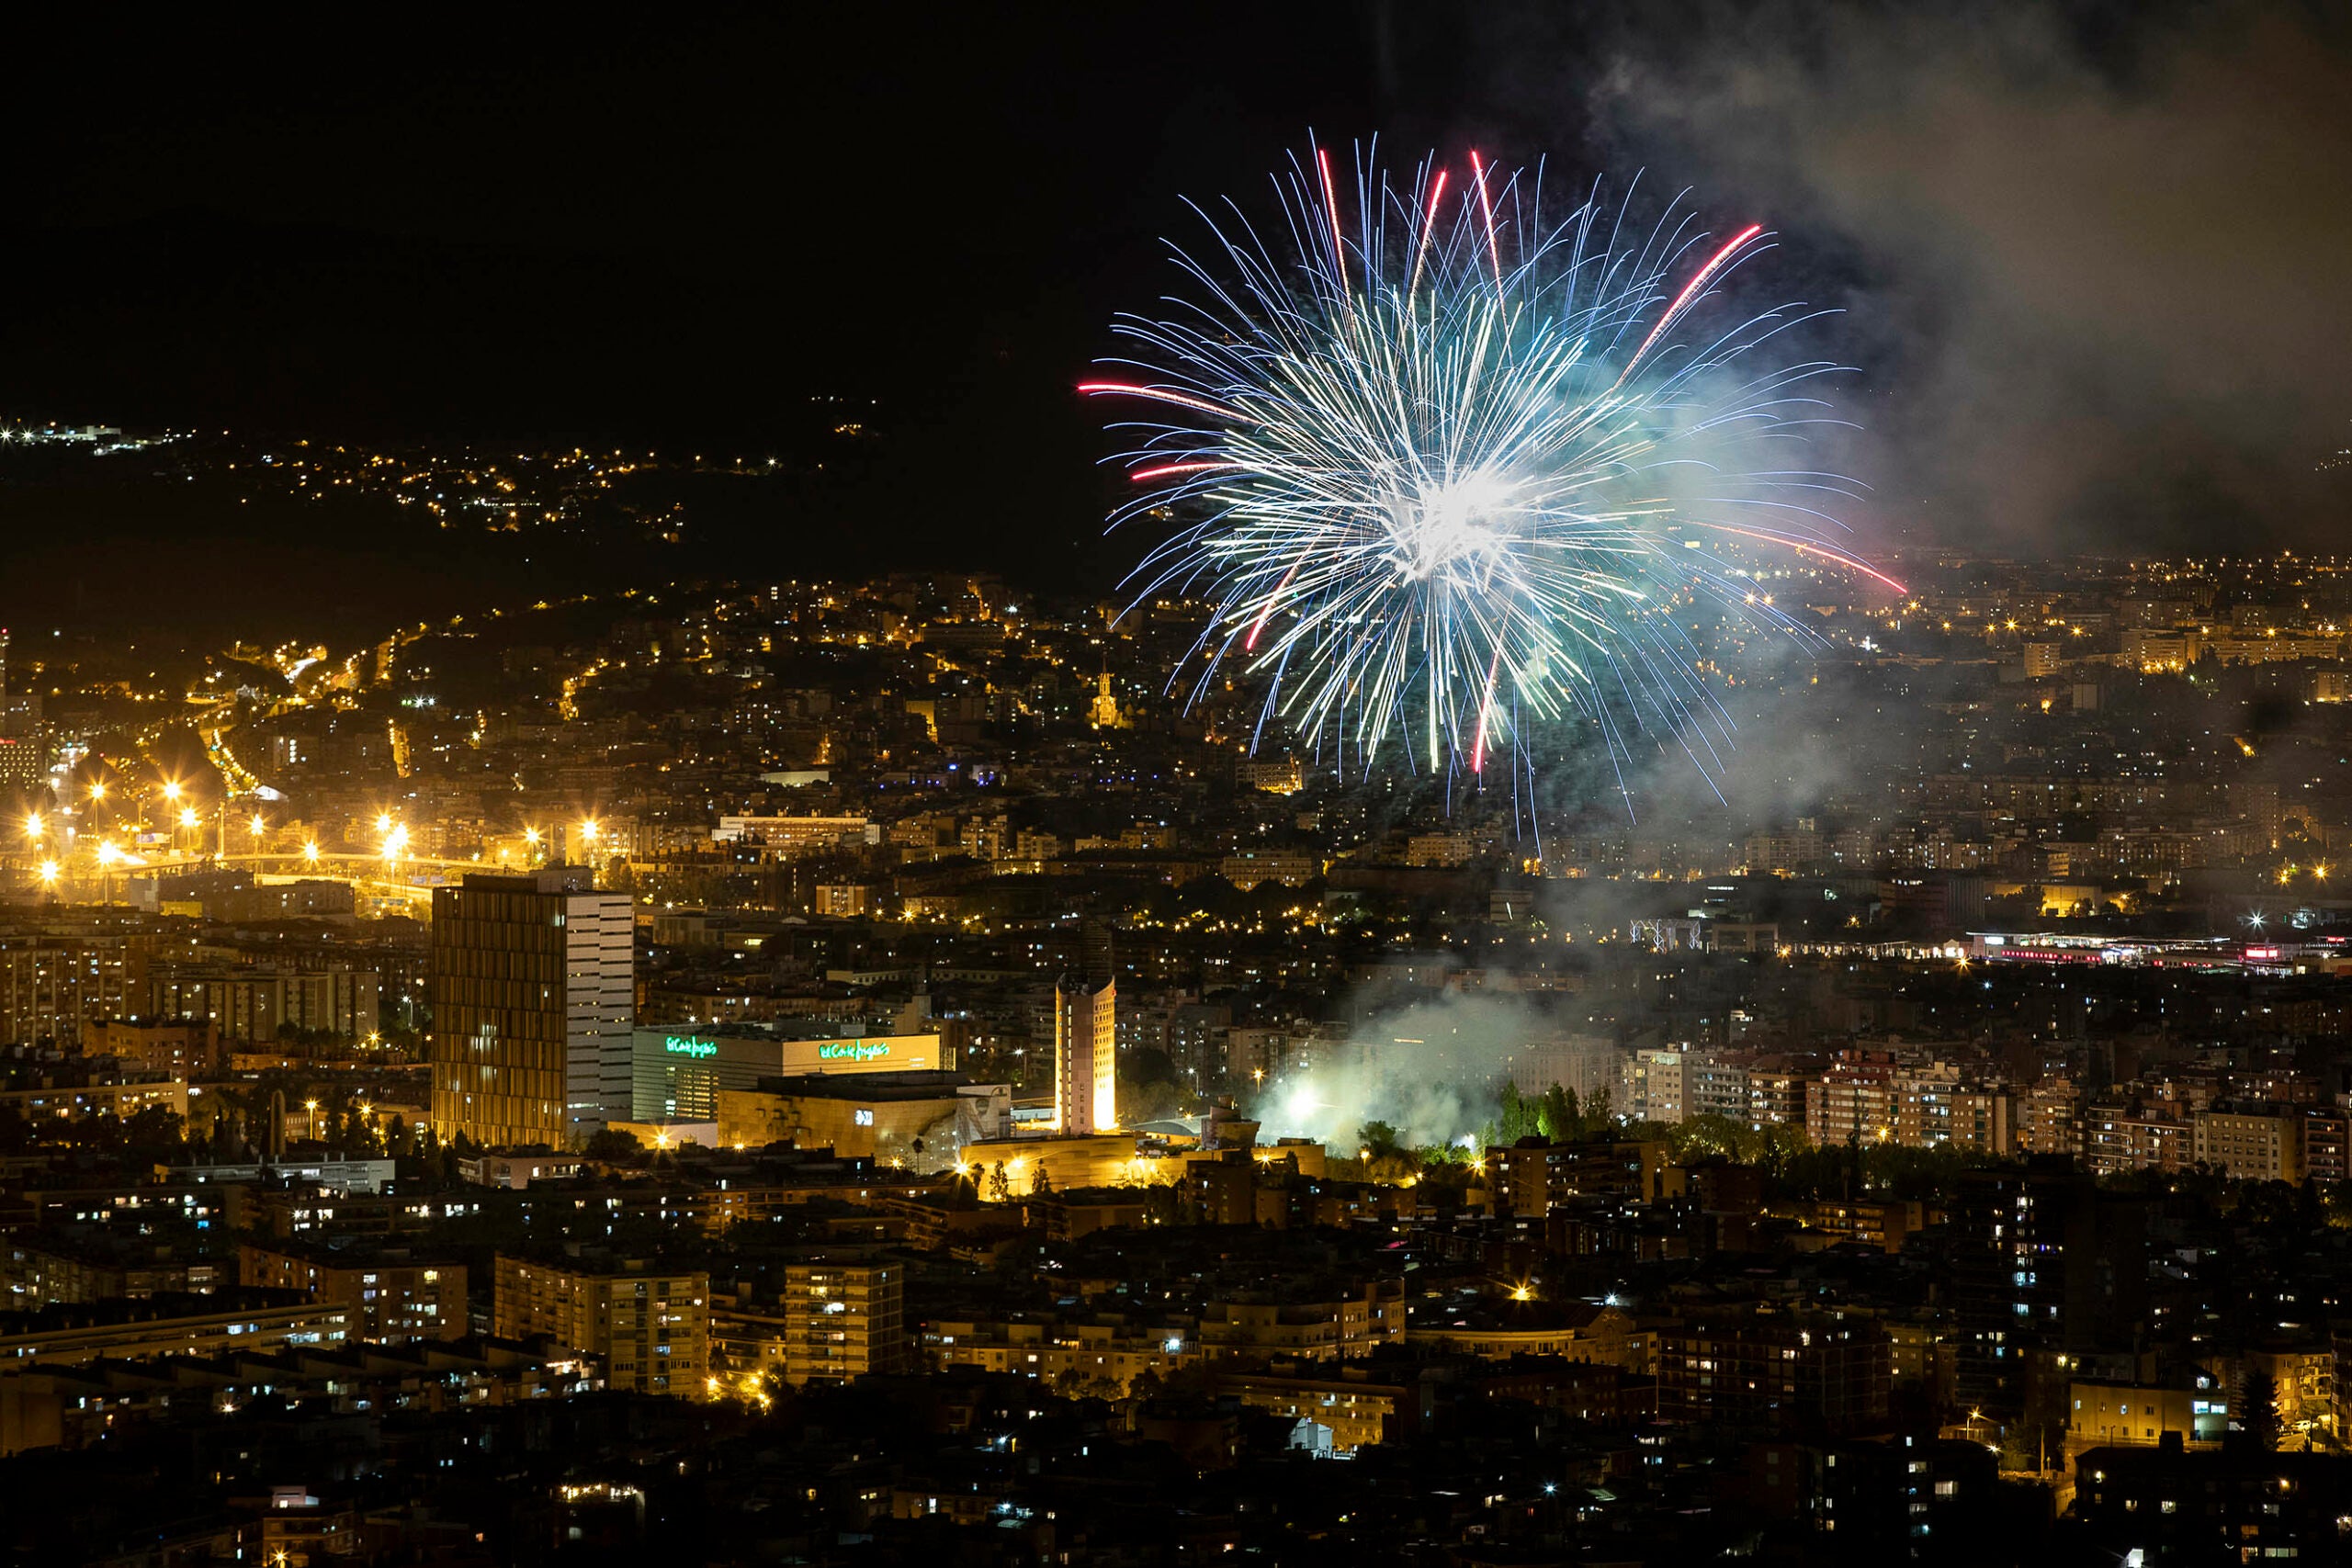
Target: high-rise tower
533, 1000
1086, 1037
1086, 1033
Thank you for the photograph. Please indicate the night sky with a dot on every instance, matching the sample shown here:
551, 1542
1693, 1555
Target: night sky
2091, 258
676, 233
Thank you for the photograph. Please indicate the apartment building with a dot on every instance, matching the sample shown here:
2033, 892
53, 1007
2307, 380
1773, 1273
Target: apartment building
649, 1327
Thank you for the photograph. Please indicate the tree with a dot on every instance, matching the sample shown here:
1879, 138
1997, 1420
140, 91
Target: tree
2257, 1412
1163, 1204
1559, 1117
154, 1136
2269, 1203
1516, 1116
354, 1135
1140, 1102
1380, 1139
612, 1144
2024, 1448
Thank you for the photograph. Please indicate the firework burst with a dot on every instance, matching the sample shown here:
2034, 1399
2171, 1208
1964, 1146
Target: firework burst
1446, 468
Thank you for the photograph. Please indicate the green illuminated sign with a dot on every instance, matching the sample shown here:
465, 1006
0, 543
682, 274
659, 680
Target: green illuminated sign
687, 1045
850, 1051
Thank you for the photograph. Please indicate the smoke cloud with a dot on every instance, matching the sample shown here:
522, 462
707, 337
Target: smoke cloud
1433, 1069
2093, 262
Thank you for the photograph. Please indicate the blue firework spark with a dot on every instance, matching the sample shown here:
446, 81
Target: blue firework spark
1447, 470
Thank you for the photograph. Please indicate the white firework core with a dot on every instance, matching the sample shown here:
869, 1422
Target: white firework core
1440, 476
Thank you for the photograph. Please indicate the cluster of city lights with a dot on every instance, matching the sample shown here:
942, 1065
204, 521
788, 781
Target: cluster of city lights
49, 845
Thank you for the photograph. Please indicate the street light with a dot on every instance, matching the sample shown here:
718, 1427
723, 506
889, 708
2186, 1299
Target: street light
258, 826
49, 874
98, 789
588, 832
107, 856
172, 789
189, 818
33, 828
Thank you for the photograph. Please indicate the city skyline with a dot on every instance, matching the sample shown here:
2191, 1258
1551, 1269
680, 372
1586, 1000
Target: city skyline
747, 817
